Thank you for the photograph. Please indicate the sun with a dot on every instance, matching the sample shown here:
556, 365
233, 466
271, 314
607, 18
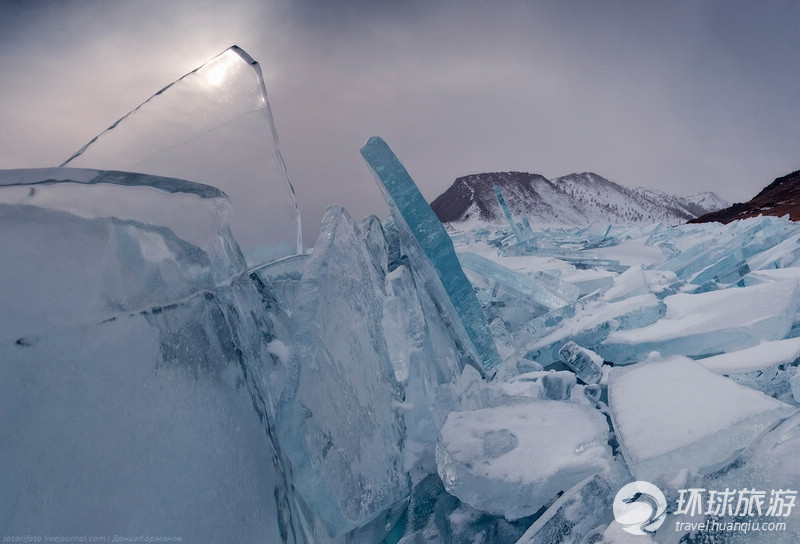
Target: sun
216, 71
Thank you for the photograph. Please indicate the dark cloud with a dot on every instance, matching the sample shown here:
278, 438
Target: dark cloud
679, 96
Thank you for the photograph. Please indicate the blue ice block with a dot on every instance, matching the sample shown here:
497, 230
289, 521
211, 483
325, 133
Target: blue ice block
432, 253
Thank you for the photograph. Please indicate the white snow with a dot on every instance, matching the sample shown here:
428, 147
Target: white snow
764, 355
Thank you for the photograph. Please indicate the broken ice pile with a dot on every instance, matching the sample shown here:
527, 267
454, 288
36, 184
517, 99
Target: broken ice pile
166, 371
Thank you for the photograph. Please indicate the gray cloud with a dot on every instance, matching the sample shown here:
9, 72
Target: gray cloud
679, 96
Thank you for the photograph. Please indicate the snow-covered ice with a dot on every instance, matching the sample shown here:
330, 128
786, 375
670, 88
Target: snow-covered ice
675, 414
512, 460
711, 323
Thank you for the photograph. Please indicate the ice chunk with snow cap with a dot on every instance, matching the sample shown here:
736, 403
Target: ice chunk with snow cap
512, 460
432, 253
675, 414
759, 357
638, 280
710, 323
593, 322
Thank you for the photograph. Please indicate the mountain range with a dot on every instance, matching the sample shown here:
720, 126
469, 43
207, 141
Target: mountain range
576, 199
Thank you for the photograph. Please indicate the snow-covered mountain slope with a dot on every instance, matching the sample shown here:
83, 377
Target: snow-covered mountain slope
575, 199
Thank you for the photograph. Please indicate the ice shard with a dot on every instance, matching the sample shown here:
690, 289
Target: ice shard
593, 323
212, 126
335, 419
432, 254
584, 362
522, 231
560, 296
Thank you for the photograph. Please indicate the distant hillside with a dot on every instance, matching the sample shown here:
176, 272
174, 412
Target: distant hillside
576, 199
779, 198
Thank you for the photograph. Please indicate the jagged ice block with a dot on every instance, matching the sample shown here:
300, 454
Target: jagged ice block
335, 415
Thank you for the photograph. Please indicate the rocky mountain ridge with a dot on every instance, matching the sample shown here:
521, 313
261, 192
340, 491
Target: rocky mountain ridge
576, 199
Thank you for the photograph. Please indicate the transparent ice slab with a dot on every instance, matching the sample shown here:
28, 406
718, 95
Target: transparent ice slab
574, 515
139, 241
557, 295
432, 254
584, 362
521, 230
212, 126
675, 414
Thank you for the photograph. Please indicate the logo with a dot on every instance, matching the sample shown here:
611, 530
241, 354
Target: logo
640, 508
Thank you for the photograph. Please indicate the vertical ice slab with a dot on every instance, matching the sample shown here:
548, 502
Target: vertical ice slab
517, 228
335, 416
213, 126
432, 254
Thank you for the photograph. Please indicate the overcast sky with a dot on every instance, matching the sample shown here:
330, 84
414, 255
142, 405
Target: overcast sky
679, 96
